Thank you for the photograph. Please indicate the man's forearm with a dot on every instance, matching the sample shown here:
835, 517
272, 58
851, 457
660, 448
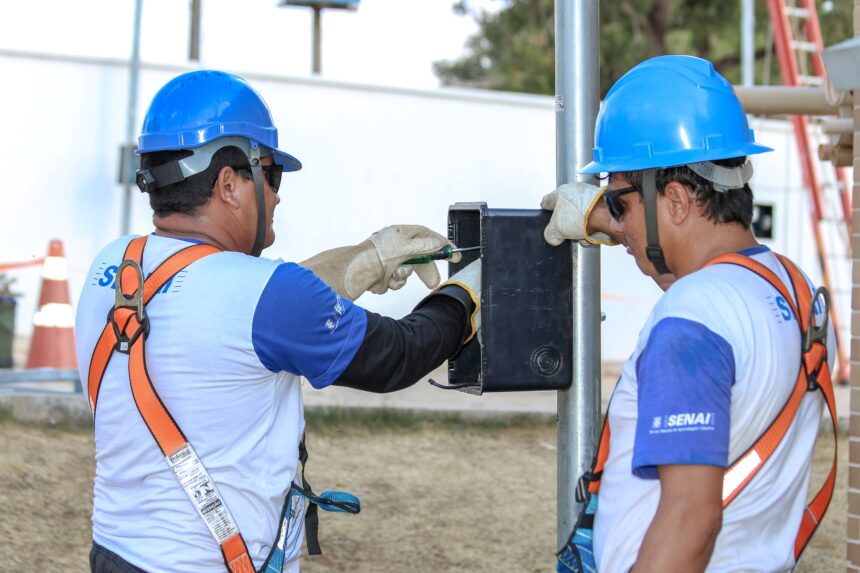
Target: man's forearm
677, 541
397, 353
682, 535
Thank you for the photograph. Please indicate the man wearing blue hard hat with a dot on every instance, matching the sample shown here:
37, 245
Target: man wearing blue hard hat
705, 458
194, 378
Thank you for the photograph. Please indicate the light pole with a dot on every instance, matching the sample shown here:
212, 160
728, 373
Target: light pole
126, 175
317, 6
194, 32
747, 42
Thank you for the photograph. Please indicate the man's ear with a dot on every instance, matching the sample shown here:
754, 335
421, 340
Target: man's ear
677, 201
226, 187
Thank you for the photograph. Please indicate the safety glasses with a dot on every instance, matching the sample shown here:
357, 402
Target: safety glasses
616, 207
272, 173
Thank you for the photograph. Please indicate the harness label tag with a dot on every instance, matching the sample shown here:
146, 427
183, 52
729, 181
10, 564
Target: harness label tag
201, 490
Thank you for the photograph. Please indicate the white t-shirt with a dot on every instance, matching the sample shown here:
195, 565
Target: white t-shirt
713, 366
230, 336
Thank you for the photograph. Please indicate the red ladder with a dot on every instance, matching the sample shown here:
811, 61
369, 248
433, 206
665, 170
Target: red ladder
797, 36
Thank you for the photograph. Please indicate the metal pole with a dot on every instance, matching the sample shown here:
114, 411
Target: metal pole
131, 126
316, 39
194, 35
748, 42
577, 101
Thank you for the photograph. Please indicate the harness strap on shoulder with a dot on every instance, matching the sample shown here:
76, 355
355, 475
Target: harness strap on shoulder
814, 374
818, 370
125, 332
741, 472
108, 339
126, 329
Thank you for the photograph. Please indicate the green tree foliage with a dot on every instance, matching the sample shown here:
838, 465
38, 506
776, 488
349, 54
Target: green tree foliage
514, 48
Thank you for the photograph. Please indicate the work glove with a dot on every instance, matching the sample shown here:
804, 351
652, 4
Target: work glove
376, 264
571, 205
468, 279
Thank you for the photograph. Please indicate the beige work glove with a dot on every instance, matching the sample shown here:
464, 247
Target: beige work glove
376, 264
571, 205
469, 278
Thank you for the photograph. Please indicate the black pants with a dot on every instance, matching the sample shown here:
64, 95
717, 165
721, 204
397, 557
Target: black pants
104, 561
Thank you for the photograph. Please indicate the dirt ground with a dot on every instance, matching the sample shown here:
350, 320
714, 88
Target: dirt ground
438, 493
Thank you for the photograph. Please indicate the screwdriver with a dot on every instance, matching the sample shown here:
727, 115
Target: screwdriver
445, 252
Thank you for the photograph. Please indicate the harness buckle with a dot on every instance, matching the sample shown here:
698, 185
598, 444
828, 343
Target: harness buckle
812, 381
133, 301
581, 493
814, 332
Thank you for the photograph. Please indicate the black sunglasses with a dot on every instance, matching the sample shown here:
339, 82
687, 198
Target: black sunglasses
616, 207
272, 173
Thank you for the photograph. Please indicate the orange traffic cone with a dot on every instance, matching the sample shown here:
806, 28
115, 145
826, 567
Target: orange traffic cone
53, 342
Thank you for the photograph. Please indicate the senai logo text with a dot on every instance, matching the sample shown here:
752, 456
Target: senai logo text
683, 422
106, 277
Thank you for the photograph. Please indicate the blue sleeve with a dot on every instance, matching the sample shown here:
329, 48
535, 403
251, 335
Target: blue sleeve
302, 326
685, 375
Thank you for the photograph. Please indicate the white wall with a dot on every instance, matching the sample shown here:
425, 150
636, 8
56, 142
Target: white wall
372, 156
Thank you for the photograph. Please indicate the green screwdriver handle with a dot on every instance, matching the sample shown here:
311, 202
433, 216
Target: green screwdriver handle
440, 255
445, 252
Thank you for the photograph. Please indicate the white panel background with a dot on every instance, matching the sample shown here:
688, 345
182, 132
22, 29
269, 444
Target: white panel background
373, 156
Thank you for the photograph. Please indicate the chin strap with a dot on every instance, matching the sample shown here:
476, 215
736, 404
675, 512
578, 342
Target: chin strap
257, 172
649, 193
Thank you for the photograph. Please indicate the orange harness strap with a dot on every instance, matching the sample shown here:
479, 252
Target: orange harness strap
125, 331
599, 459
127, 282
814, 374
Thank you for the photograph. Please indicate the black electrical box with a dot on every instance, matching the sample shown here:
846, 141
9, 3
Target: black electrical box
526, 297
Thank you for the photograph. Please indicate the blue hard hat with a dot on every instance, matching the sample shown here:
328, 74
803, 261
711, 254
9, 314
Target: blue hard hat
197, 108
666, 111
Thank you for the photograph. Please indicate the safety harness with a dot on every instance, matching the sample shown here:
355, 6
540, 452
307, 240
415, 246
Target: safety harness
814, 374
126, 330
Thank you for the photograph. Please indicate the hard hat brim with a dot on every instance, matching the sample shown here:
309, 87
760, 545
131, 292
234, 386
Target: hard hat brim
285, 160
654, 161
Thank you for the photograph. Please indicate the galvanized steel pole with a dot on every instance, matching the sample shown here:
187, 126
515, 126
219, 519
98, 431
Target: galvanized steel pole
577, 100
748, 42
194, 32
317, 41
131, 125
